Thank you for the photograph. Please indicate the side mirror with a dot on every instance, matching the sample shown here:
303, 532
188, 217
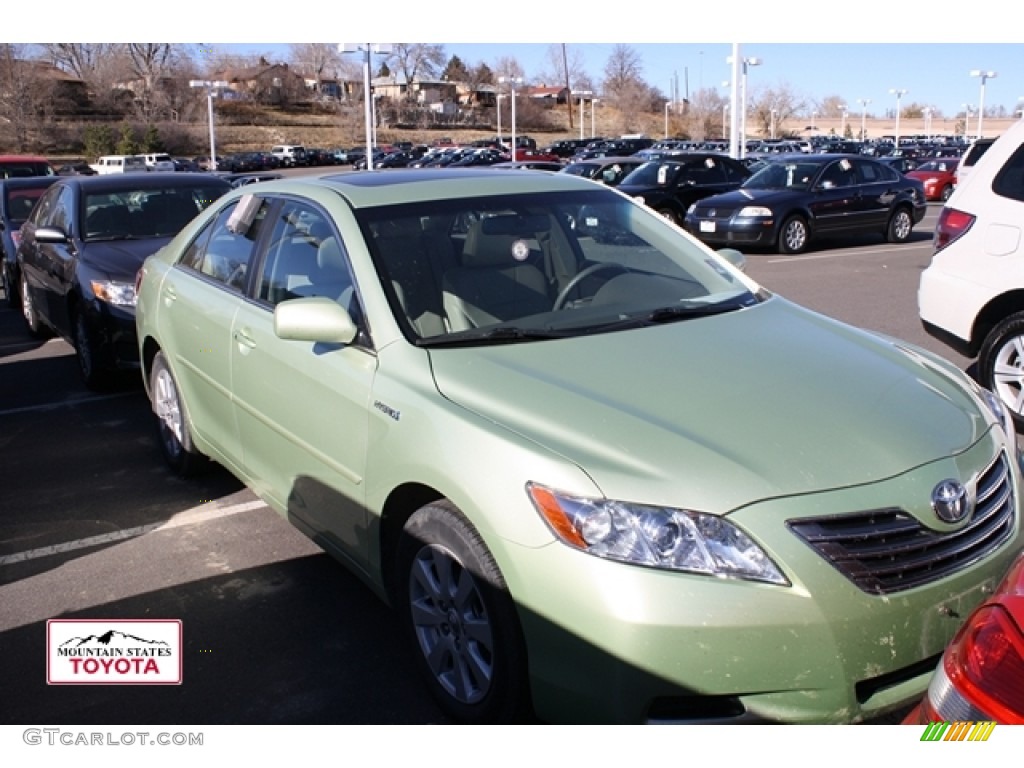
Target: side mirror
734, 257
316, 318
51, 235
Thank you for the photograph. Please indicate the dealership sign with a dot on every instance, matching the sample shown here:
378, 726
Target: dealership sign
113, 652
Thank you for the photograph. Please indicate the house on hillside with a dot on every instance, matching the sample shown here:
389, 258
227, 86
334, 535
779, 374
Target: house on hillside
265, 83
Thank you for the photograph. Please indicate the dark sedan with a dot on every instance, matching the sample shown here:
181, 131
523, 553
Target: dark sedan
17, 198
797, 199
608, 170
81, 248
671, 186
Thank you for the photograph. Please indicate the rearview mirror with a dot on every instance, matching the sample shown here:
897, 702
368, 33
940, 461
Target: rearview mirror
734, 257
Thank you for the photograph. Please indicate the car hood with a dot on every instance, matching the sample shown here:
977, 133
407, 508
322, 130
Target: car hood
722, 411
120, 258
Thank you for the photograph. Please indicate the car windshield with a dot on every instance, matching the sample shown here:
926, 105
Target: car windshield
783, 175
21, 169
537, 266
131, 214
940, 166
653, 174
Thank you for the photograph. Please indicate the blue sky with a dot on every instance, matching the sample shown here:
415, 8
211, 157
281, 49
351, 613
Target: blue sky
852, 50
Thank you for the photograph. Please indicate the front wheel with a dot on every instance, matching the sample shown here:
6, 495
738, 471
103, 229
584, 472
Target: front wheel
900, 226
1001, 365
461, 620
672, 215
28, 309
794, 235
172, 427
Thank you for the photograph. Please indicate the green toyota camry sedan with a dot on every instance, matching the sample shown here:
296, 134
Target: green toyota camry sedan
601, 474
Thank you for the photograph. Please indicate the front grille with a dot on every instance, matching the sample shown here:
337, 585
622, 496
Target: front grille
719, 213
887, 550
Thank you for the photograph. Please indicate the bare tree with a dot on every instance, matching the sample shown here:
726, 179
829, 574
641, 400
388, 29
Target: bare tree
416, 60
624, 87
318, 60
564, 66
28, 97
783, 101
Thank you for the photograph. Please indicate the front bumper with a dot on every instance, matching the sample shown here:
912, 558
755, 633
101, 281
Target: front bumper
610, 642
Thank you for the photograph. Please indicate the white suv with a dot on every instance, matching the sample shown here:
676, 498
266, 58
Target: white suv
971, 296
159, 162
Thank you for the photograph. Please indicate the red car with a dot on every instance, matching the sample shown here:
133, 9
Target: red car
938, 176
981, 675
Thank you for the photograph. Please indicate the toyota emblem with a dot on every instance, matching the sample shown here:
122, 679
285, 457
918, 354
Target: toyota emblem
950, 501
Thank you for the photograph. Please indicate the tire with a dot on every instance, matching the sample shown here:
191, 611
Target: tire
28, 309
11, 292
93, 374
460, 619
794, 235
947, 191
171, 419
671, 215
1001, 365
901, 224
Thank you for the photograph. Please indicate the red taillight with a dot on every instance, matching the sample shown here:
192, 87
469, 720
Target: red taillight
985, 663
951, 225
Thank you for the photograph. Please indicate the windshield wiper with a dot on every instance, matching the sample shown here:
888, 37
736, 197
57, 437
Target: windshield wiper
669, 314
500, 334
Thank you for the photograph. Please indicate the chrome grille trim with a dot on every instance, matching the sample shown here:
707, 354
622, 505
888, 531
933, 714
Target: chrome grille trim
884, 551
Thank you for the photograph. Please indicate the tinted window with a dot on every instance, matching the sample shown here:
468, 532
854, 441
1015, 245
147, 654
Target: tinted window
19, 203
1009, 182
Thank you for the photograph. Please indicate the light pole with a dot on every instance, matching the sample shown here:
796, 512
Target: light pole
725, 118
842, 123
751, 62
500, 97
210, 85
898, 93
813, 115
864, 118
582, 95
967, 119
368, 104
512, 81
984, 75
593, 113
667, 105
927, 112
376, 117
774, 113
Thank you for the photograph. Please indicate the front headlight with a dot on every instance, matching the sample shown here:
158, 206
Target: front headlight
659, 537
1000, 411
113, 292
754, 211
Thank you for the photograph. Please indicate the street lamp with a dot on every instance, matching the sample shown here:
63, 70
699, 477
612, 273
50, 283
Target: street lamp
593, 112
376, 117
667, 105
751, 62
725, 117
898, 93
512, 82
774, 113
968, 109
210, 85
927, 112
582, 94
842, 123
500, 97
369, 106
984, 75
863, 118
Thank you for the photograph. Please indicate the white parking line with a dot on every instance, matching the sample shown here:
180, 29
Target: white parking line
200, 514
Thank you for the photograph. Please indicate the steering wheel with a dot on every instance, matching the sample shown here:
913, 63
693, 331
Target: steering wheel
580, 276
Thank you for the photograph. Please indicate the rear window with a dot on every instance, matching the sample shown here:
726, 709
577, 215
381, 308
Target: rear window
1009, 182
19, 203
23, 168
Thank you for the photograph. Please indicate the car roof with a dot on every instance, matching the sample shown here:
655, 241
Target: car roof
396, 186
29, 182
114, 182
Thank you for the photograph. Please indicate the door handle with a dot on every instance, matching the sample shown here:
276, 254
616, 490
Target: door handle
244, 339
170, 295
